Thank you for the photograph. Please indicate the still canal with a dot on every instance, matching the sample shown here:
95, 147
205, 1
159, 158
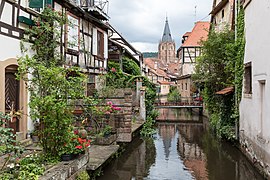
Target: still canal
182, 148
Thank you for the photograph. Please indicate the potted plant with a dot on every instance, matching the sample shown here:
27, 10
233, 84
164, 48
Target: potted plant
34, 136
107, 131
35, 133
74, 147
105, 137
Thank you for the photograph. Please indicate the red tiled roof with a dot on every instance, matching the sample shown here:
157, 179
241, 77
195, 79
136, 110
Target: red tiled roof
173, 67
225, 91
199, 32
164, 82
187, 34
149, 62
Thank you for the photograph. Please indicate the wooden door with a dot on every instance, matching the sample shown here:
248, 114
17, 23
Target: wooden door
12, 90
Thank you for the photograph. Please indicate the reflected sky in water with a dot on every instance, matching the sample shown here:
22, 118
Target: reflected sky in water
181, 151
168, 164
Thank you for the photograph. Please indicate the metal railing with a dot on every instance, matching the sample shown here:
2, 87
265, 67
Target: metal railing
184, 101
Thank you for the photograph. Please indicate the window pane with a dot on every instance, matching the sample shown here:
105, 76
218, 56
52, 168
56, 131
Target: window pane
35, 3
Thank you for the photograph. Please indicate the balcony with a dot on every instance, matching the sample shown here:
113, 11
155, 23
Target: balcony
97, 8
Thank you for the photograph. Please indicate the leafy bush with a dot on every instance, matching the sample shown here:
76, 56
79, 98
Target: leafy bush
220, 66
83, 176
174, 95
52, 86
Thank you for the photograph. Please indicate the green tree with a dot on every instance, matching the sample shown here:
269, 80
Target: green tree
174, 95
220, 66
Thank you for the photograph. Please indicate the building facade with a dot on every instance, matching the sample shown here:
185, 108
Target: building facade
223, 14
254, 107
189, 51
84, 44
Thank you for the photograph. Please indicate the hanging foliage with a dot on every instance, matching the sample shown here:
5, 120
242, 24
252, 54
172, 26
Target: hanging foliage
220, 66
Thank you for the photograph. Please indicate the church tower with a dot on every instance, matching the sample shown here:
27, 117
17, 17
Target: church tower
166, 47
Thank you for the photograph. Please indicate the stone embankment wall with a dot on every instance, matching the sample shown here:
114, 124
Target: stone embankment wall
130, 112
256, 153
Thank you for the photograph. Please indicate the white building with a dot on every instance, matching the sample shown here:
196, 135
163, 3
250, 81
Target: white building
255, 103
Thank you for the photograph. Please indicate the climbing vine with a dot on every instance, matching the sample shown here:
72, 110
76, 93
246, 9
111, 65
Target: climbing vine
239, 63
52, 87
221, 66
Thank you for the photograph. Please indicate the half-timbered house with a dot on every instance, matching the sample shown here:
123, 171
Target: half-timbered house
84, 43
223, 14
188, 53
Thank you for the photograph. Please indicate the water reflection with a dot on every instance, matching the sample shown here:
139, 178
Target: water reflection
181, 151
134, 163
174, 114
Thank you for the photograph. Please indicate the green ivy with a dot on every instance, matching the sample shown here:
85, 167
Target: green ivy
221, 66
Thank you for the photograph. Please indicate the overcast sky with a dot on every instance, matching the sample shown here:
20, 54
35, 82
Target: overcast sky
141, 22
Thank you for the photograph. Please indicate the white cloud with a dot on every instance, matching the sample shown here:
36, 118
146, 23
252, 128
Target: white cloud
145, 46
142, 21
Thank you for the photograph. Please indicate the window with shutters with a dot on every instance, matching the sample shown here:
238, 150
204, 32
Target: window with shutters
100, 44
39, 5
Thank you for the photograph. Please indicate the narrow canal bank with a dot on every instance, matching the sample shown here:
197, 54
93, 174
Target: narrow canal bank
181, 150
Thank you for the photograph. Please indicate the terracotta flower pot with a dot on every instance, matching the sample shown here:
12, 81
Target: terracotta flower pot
82, 133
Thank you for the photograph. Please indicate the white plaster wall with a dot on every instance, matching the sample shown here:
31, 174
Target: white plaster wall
164, 89
10, 48
226, 20
188, 68
257, 30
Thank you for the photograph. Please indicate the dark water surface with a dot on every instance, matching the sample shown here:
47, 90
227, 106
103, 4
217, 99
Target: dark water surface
181, 150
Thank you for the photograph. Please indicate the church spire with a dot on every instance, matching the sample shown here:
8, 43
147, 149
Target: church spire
167, 37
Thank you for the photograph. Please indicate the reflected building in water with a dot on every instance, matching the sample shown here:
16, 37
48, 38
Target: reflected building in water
134, 163
185, 151
167, 132
182, 114
191, 153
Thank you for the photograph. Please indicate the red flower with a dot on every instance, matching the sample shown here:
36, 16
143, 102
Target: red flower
79, 147
80, 140
76, 132
113, 70
88, 144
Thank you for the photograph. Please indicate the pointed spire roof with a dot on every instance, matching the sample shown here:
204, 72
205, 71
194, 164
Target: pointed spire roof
167, 37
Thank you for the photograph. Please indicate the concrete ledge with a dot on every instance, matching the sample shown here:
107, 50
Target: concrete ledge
99, 155
65, 169
68, 169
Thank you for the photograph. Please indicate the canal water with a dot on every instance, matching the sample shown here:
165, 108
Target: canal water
182, 148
